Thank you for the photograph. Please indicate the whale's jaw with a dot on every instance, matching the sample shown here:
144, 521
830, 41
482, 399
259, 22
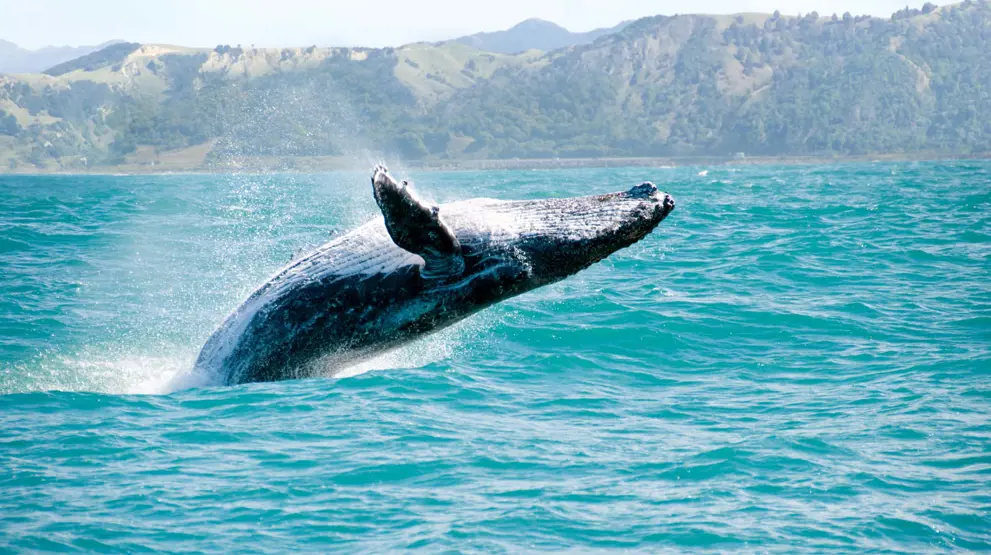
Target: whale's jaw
556, 238
594, 228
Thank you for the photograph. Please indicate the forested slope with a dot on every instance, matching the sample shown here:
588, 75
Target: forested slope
762, 84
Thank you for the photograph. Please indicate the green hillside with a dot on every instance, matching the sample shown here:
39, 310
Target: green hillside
919, 81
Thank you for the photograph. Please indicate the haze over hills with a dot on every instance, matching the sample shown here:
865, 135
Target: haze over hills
765, 84
534, 34
14, 59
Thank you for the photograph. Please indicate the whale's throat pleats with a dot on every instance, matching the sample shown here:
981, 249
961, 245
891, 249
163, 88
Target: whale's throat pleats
417, 227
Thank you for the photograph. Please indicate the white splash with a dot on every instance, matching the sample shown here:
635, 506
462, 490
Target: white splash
424, 351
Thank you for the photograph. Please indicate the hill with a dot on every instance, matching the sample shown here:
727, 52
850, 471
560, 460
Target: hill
761, 84
534, 34
687, 85
14, 59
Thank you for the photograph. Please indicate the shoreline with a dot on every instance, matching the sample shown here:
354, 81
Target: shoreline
266, 165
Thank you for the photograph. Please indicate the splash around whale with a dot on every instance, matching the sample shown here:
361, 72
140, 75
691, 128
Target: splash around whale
416, 270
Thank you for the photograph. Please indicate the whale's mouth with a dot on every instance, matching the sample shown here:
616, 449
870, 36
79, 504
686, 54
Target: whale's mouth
559, 237
588, 229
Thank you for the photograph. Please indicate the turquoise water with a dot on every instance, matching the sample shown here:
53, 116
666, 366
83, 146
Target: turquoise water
797, 360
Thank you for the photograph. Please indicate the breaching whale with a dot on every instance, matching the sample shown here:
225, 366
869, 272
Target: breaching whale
414, 270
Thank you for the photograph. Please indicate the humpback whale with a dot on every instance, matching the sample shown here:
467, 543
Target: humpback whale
416, 269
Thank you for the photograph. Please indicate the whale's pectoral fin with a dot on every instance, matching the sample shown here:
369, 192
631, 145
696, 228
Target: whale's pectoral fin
416, 226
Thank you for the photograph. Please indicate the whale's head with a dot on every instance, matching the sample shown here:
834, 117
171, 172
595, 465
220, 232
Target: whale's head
526, 244
485, 250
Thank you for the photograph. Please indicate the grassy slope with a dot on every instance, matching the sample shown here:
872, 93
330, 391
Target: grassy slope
660, 87
436, 72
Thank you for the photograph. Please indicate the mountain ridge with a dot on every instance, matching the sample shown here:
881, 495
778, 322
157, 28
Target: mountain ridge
534, 34
14, 59
687, 85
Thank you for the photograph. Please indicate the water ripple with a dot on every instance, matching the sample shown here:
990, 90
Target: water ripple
796, 361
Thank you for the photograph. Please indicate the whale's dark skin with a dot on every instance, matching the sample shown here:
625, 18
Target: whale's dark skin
416, 270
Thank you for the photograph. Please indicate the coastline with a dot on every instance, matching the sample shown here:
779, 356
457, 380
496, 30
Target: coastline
318, 164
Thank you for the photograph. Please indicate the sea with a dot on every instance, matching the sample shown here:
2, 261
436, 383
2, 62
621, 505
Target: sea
798, 360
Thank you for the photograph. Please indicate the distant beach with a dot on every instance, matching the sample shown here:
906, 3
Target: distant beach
316, 164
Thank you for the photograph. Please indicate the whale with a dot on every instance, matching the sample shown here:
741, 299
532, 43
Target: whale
414, 270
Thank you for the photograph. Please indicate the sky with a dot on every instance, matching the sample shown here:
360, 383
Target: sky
36, 23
